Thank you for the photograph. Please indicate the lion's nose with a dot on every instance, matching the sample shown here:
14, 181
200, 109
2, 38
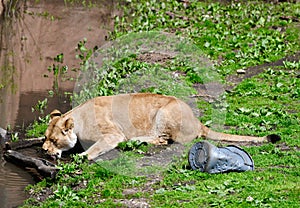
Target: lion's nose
44, 147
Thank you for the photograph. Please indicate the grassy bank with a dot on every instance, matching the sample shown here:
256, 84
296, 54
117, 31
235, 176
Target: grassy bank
264, 99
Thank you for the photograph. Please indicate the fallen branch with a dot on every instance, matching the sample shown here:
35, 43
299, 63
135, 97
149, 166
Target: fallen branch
43, 167
24, 143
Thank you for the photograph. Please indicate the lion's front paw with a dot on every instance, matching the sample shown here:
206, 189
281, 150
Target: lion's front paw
89, 156
82, 154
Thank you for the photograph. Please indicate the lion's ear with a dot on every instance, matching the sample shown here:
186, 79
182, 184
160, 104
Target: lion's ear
55, 113
69, 124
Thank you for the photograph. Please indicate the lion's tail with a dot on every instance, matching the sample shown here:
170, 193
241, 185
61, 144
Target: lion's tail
217, 136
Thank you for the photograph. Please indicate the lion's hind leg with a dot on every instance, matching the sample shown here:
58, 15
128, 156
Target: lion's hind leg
151, 140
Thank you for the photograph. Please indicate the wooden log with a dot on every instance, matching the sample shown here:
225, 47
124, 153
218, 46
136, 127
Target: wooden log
43, 167
3, 133
24, 143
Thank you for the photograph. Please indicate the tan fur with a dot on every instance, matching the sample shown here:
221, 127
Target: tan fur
103, 122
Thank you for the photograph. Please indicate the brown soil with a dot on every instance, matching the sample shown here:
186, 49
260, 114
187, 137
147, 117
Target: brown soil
235, 79
152, 58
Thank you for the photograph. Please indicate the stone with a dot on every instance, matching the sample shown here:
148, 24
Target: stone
240, 71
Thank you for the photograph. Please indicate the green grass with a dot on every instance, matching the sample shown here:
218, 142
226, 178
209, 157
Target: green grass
267, 102
234, 36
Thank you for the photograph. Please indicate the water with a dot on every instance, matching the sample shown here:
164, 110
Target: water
32, 34
13, 180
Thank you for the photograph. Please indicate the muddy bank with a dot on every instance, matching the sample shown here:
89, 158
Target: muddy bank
30, 38
32, 33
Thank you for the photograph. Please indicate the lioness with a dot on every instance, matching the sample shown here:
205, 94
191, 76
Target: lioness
103, 122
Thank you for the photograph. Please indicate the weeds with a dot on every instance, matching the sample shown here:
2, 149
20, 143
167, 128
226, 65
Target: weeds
137, 146
40, 106
38, 127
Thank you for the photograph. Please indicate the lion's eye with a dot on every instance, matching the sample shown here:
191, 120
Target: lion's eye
54, 142
64, 132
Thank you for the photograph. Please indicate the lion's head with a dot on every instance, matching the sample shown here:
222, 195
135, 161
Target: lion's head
59, 135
